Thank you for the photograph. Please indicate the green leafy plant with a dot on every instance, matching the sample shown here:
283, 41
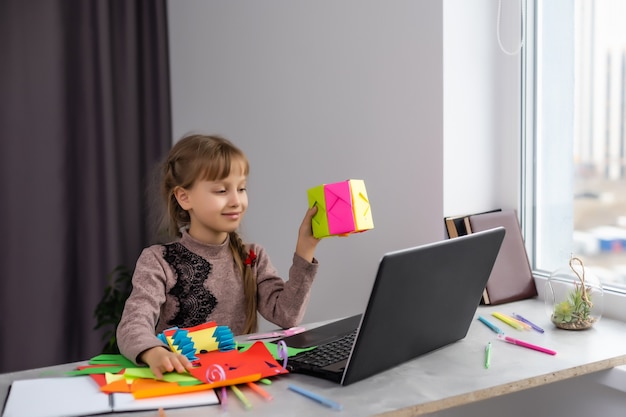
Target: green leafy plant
575, 312
109, 310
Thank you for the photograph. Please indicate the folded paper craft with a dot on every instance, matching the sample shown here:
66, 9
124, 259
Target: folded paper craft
211, 370
342, 208
202, 338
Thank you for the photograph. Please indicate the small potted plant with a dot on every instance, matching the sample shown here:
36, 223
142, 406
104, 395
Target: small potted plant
109, 310
569, 295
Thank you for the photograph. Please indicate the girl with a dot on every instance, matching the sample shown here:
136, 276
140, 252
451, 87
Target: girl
208, 273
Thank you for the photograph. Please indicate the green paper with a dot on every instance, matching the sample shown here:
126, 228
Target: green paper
95, 370
139, 373
190, 383
168, 376
182, 379
112, 359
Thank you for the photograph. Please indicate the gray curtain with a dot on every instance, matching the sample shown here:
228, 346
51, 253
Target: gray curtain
84, 120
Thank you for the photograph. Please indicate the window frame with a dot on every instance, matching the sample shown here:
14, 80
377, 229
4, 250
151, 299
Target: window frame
614, 297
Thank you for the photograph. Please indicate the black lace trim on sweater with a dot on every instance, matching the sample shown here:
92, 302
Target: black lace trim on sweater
194, 300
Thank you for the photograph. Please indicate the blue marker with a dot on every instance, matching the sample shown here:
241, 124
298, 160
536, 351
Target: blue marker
490, 325
315, 397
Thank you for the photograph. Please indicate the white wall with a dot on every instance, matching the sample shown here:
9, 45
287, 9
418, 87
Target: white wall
481, 106
319, 92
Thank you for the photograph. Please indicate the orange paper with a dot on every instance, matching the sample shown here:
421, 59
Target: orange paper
116, 386
171, 388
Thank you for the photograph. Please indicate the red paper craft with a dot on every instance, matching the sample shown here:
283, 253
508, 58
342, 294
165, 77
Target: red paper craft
256, 360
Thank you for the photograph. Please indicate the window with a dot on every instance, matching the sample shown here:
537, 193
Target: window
575, 191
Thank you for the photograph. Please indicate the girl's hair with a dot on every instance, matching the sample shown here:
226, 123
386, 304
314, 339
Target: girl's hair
201, 157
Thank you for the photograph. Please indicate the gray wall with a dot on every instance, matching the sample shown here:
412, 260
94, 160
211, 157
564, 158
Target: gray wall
319, 92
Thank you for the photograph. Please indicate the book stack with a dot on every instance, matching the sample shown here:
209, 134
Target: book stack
511, 278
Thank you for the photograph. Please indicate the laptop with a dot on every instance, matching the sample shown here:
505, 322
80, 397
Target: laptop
423, 298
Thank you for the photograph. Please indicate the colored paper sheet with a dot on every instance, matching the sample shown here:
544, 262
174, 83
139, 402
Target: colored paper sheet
137, 373
111, 359
119, 385
361, 205
99, 378
339, 208
97, 372
320, 220
114, 377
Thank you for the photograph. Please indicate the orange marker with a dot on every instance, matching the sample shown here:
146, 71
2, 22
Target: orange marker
259, 390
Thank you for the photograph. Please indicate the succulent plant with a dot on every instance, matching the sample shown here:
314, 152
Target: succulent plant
576, 309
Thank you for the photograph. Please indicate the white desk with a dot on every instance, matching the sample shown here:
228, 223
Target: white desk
449, 377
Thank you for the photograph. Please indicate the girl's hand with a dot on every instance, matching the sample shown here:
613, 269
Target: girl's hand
305, 247
161, 360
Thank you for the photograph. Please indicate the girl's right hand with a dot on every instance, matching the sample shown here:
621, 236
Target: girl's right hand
305, 247
161, 360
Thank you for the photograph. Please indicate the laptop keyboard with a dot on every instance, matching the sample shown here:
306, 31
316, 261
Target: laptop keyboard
326, 354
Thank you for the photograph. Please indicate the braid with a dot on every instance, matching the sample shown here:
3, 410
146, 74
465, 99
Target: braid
249, 283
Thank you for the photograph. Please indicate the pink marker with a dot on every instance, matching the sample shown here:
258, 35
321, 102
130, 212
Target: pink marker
281, 333
526, 344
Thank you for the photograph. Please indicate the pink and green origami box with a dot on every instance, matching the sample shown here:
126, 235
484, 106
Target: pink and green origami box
342, 208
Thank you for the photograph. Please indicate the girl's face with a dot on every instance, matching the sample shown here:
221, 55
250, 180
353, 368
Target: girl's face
215, 207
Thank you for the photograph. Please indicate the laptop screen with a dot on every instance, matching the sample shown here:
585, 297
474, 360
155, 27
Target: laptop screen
423, 298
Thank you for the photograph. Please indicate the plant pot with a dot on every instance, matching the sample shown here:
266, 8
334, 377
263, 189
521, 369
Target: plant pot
574, 297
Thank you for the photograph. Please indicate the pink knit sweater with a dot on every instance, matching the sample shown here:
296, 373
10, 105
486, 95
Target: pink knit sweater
188, 282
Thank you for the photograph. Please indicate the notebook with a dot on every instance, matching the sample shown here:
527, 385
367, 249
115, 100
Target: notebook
423, 298
511, 278
81, 396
